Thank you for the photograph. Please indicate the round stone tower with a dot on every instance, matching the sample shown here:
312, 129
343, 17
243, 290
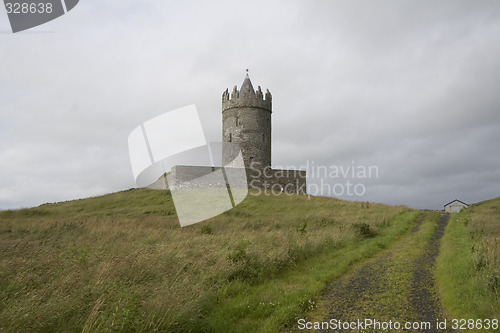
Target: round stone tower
246, 121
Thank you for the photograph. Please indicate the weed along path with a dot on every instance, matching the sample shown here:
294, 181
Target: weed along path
394, 288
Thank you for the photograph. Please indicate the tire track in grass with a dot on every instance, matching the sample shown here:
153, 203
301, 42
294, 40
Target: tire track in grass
423, 297
398, 285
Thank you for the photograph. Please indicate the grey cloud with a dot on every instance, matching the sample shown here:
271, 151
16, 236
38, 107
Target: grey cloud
408, 86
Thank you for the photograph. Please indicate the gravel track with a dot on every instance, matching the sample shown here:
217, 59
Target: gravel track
423, 297
384, 289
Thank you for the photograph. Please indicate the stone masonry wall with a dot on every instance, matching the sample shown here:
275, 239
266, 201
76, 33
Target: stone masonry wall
277, 181
250, 129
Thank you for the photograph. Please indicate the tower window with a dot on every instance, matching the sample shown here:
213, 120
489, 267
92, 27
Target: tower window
230, 137
263, 137
237, 121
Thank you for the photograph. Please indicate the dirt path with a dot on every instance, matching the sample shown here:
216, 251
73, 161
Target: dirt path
396, 286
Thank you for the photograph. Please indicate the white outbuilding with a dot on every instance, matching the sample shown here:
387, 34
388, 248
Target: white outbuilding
455, 206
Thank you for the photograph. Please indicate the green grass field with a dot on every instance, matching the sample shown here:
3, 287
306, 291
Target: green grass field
468, 269
121, 262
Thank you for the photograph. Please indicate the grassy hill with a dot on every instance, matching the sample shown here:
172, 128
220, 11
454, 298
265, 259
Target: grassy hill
468, 269
121, 262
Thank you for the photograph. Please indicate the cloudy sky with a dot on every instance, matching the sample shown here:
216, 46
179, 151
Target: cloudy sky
411, 87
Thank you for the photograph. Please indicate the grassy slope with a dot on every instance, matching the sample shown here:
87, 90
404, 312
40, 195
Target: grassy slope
279, 301
121, 262
468, 269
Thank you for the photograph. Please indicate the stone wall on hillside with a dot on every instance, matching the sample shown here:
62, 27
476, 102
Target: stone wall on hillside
275, 180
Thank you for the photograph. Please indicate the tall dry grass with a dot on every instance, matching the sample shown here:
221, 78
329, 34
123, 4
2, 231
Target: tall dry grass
484, 224
121, 262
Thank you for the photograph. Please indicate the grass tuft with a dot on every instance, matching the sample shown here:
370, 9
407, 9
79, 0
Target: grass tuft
363, 230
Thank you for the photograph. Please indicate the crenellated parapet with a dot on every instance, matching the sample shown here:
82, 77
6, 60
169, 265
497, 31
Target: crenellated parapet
247, 97
246, 122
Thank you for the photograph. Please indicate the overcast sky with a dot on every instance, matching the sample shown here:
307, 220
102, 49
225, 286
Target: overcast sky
411, 87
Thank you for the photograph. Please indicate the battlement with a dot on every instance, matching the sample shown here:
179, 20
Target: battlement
246, 98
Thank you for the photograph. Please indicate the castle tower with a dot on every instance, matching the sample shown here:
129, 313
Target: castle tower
246, 121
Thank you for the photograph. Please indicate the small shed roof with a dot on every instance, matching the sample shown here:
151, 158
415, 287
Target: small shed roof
456, 200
